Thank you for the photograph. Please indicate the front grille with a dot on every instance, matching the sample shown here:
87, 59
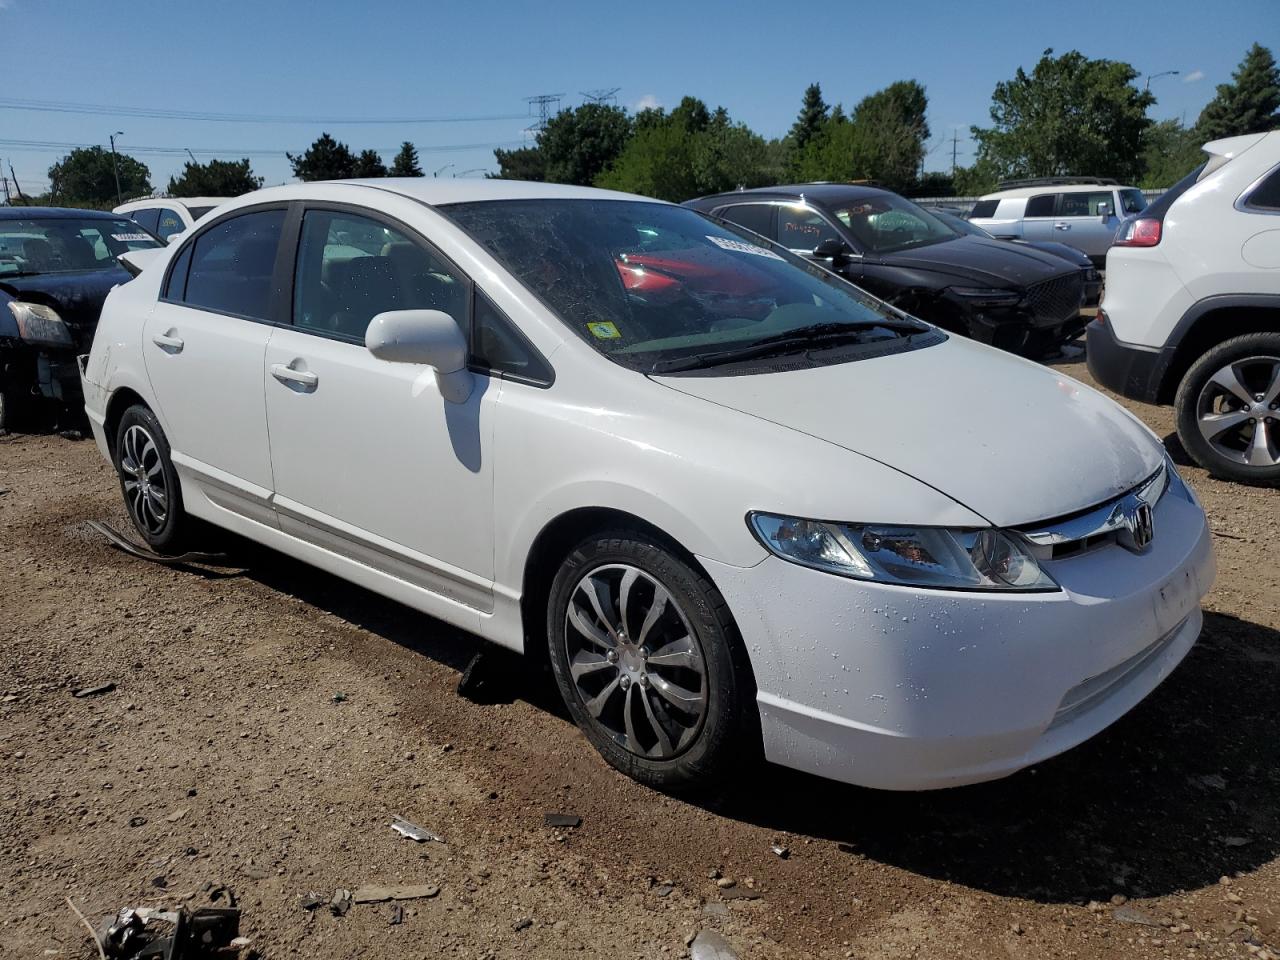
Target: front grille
1056, 299
1096, 526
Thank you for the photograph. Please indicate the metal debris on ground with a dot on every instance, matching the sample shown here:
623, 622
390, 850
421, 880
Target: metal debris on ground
524, 924
383, 894
780, 850
562, 820
340, 903
94, 690
121, 542
181, 934
397, 915
413, 831
313, 900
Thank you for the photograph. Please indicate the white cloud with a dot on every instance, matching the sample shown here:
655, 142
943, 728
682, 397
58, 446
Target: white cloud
647, 102
1193, 76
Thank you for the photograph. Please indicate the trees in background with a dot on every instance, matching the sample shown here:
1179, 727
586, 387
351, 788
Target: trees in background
86, 177
1249, 104
577, 145
368, 164
1169, 152
325, 159
1070, 116
217, 178
405, 163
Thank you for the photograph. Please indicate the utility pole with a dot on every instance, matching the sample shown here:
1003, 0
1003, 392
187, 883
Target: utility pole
955, 145
1157, 76
115, 167
16, 188
191, 155
543, 102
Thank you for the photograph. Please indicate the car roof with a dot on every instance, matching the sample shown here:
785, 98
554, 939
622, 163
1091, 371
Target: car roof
54, 213
827, 193
1019, 192
180, 201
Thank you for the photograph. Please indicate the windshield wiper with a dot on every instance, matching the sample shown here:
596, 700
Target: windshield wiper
816, 334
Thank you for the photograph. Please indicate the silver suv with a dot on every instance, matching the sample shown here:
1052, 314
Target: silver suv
1083, 213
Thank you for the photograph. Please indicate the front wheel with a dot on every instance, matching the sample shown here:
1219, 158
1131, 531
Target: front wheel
649, 663
1228, 408
149, 482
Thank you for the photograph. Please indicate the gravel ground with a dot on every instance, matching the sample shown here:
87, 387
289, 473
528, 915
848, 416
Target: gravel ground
268, 720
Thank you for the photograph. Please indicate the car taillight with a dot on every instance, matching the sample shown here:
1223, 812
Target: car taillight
1143, 232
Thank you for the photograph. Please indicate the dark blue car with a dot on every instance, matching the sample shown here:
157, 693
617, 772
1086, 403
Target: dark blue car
56, 268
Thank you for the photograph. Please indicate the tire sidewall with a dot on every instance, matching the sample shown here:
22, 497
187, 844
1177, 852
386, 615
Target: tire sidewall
721, 737
171, 533
1186, 404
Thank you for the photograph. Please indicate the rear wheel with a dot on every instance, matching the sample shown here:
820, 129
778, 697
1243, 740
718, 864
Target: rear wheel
149, 482
1228, 408
648, 661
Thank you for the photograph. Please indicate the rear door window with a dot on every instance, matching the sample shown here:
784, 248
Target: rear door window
1041, 206
145, 218
232, 264
1133, 201
756, 217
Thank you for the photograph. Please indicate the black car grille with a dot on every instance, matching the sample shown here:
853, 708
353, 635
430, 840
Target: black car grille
1057, 299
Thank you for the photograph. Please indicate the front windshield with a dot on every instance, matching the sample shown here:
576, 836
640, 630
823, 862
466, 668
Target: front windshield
67, 244
885, 223
960, 224
655, 286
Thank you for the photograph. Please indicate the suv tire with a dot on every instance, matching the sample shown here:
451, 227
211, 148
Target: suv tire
1228, 409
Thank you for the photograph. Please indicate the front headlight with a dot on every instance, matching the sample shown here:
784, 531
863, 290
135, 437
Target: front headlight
917, 556
40, 325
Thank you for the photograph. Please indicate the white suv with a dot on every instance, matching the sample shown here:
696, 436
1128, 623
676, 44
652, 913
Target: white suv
1082, 214
1191, 314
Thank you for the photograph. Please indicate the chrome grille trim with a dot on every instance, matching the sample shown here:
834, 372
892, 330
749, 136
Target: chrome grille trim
1101, 524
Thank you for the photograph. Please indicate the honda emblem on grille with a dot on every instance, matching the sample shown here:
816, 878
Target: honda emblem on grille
1142, 525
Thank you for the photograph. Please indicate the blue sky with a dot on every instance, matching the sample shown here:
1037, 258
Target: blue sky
329, 60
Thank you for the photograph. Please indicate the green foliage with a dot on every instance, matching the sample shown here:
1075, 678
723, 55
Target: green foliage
690, 152
813, 114
1071, 116
325, 159
369, 164
974, 181
576, 145
933, 184
1169, 152
525, 163
1249, 104
86, 177
217, 178
405, 163
882, 141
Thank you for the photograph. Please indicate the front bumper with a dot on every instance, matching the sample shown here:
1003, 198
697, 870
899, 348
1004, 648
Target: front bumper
906, 689
1018, 329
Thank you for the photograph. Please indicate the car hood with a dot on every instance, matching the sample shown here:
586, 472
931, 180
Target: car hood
1011, 440
77, 296
971, 259
1060, 250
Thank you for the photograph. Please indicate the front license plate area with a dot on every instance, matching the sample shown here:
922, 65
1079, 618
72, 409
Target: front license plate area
1176, 599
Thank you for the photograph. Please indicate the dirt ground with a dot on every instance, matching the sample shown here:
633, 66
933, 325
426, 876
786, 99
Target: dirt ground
268, 720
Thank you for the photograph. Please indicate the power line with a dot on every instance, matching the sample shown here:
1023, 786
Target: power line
602, 95
46, 145
99, 109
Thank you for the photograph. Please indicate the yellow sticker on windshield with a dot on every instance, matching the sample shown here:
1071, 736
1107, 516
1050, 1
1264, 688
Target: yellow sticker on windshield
604, 330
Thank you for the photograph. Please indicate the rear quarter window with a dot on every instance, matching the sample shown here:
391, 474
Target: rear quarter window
984, 209
1266, 195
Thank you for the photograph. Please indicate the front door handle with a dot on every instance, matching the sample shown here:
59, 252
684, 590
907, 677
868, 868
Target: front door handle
288, 375
168, 342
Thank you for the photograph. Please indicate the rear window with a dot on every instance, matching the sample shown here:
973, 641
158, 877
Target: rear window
1133, 201
984, 209
1041, 206
1266, 195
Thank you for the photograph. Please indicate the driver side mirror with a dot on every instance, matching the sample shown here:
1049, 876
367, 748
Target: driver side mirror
173, 238
832, 248
1104, 210
429, 337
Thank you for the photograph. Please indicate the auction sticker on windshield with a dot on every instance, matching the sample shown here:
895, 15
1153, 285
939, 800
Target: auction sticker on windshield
604, 330
741, 246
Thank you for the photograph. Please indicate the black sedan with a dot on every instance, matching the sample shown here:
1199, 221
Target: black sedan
1092, 278
56, 268
1012, 296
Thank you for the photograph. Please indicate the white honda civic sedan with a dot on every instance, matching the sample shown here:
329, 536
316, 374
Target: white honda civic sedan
743, 508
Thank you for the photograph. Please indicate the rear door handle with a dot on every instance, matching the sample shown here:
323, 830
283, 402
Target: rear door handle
288, 375
168, 342
1062, 226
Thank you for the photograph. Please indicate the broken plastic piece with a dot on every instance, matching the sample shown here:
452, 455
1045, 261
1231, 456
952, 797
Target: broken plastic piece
94, 690
121, 542
413, 831
382, 894
562, 820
